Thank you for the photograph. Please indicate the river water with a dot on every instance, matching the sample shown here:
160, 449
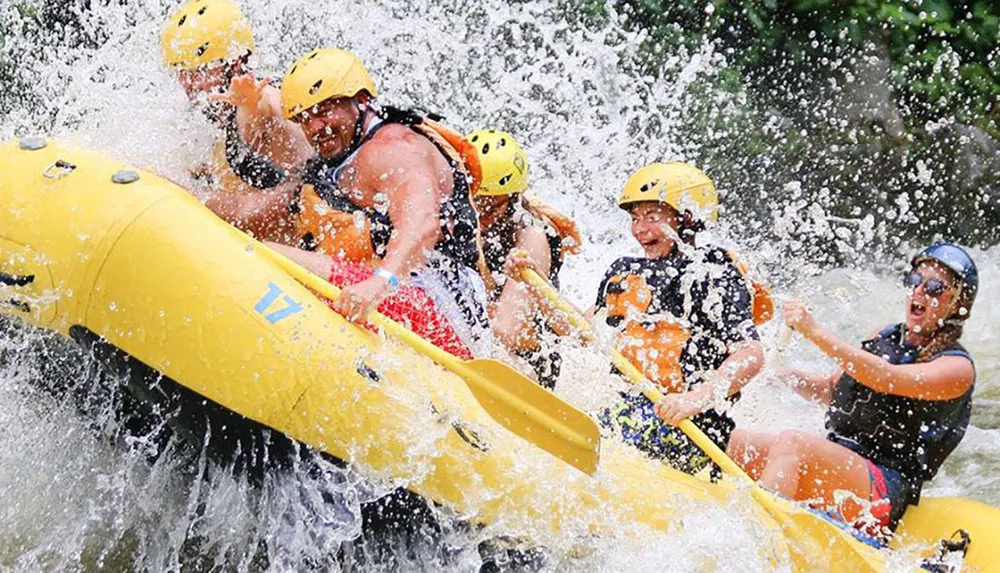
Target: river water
79, 496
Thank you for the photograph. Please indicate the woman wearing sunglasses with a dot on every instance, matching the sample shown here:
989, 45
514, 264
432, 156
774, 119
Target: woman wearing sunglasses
898, 406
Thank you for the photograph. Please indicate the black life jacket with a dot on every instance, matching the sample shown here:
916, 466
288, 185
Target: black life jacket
459, 222
253, 168
909, 435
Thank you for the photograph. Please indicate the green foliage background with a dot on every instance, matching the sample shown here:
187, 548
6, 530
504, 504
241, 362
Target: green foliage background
944, 55
809, 112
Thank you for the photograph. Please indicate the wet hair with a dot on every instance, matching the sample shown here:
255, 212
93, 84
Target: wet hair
950, 332
943, 338
689, 227
237, 67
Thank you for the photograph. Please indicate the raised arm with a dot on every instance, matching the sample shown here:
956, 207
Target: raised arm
260, 104
745, 362
811, 386
289, 146
263, 214
944, 378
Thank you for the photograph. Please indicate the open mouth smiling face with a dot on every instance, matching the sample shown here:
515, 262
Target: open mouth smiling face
932, 294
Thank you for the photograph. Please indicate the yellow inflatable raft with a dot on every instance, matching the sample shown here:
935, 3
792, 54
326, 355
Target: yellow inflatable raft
100, 252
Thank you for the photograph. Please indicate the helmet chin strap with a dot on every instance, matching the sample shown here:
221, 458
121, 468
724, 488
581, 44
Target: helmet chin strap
359, 125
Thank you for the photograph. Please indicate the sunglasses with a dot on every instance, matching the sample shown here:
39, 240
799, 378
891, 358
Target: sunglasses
933, 287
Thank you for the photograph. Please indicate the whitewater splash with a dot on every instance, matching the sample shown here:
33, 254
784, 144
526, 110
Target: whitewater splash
81, 494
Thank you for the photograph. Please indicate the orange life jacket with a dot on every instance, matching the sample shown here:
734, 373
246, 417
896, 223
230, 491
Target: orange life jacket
653, 347
456, 147
340, 234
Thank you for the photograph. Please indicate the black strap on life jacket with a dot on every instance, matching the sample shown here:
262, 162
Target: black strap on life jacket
253, 168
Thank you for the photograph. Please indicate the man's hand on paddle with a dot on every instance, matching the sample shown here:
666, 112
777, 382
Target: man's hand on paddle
358, 300
517, 261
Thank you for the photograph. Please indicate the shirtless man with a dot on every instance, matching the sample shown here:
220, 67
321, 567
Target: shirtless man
401, 184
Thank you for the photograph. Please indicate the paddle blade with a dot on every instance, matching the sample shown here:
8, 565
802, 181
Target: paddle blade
819, 544
838, 548
533, 413
510, 397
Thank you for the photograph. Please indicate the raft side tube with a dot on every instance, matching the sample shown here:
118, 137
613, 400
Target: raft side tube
938, 518
153, 273
60, 214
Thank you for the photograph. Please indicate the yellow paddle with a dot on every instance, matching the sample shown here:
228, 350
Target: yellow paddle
813, 534
509, 397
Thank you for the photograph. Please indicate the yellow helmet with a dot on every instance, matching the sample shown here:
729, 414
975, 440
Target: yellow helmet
504, 163
684, 187
205, 31
320, 75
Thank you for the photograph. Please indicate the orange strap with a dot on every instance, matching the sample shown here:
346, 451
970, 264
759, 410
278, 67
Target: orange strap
563, 225
763, 305
459, 147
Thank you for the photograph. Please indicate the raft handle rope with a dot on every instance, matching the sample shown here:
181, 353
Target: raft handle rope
951, 544
58, 170
943, 562
19, 305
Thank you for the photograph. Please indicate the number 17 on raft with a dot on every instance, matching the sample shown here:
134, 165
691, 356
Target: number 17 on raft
282, 311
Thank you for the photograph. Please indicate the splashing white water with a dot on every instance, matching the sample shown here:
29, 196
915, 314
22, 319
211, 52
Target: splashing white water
74, 499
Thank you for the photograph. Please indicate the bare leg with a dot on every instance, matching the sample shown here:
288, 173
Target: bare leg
806, 467
750, 450
317, 263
